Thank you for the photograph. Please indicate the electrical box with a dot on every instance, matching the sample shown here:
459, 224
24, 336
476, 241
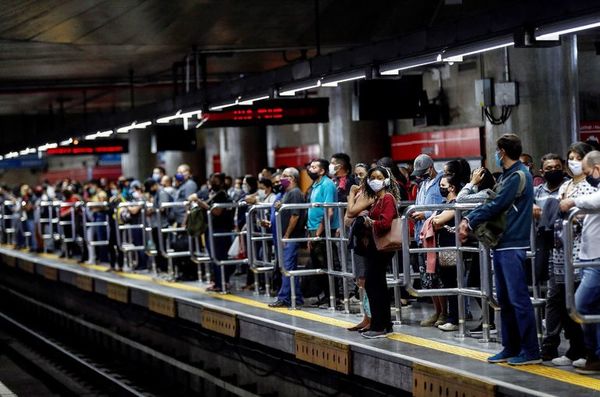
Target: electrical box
507, 94
483, 93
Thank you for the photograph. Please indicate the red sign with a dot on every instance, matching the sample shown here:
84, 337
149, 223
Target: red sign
81, 150
589, 130
296, 156
216, 160
446, 144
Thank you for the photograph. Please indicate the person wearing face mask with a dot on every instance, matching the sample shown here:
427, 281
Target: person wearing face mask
554, 176
587, 297
323, 190
158, 173
527, 161
360, 171
519, 335
380, 187
557, 316
185, 188
340, 171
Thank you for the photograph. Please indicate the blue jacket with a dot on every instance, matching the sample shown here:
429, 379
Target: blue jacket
518, 217
431, 195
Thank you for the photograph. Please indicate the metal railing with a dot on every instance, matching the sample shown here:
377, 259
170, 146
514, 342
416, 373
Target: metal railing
71, 222
168, 234
126, 240
260, 240
571, 265
47, 217
10, 221
92, 228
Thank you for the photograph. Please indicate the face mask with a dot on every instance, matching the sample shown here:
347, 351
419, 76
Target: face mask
498, 160
376, 185
576, 167
261, 194
246, 189
285, 183
444, 192
179, 177
554, 177
332, 169
114, 192
592, 181
278, 188
136, 195
92, 191
156, 177
313, 175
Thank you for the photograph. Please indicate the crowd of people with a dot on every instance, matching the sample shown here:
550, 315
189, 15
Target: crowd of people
373, 193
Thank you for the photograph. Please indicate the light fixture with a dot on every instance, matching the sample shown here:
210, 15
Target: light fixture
393, 68
99, 134
11, 155
47, 146
27, 151
552, 32
250, 101
291, 89
335, 80
186, 116
224, 105
457, 54
66, 142
1, 158
134, 126
168, 119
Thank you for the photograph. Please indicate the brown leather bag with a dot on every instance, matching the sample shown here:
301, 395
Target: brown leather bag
392, 240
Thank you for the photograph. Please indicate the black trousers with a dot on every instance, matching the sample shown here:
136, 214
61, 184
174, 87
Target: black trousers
557, 319
376, 286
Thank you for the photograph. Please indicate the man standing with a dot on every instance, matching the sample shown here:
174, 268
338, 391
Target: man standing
554, 176
340, 170
587, 297
519, 335
429, 189
292, 223
185, 188
323, 191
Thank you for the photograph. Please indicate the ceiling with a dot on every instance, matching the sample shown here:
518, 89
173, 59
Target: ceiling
63, 59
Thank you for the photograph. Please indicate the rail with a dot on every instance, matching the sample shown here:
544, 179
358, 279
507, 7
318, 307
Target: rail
259, 258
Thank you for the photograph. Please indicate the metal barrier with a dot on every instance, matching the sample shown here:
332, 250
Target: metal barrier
47, 223
257, 234
10, 220
166, 236
486, 291
91, 226
212, 234
571, 265
329, 240
71, 222
124, 233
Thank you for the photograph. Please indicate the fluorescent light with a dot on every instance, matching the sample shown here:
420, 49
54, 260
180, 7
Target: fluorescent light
134, 126
167, 119
545, 35
27, 151
223, 105
11, 155
291, 89
66, 142
335, 80
252, 100
457, 55
47, 146
1, 158
99, 134
392, 68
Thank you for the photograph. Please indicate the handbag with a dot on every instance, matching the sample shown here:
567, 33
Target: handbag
447, 258
392, 239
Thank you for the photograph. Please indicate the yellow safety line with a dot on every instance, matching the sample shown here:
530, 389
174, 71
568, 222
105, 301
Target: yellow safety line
540, 370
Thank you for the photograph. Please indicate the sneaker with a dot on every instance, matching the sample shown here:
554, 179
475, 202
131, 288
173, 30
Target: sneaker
501, 357
442, 319
522, 359
430, 321
579, 363
278, 304
374, 334
562, 361
448, 327
592, 367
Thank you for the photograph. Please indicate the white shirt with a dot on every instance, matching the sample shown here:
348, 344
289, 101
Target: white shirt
590, 236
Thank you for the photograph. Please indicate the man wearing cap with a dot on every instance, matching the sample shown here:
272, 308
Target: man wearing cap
429, 190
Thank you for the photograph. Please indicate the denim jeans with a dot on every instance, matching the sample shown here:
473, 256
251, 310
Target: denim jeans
587, 301
519, 334
290, 262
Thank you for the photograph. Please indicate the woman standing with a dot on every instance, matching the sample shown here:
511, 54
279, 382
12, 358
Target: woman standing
380, 186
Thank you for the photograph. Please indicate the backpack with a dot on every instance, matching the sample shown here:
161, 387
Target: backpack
196, 221
490, 232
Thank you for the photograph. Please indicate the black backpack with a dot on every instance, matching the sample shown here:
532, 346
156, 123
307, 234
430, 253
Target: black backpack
196, 221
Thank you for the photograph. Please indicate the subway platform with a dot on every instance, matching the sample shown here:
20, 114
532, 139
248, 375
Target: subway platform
421, 361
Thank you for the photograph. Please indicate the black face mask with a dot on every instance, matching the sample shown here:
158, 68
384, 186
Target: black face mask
554, 177
277, 189
444, 192
592, 181
313, 175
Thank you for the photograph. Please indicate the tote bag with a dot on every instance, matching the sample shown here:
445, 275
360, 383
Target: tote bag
392, 240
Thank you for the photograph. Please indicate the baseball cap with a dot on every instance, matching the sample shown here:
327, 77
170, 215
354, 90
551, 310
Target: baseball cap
422, 163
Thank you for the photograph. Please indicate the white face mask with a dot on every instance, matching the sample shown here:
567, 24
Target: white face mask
576, 167
245, 189
376, 185
261, 194
332, 169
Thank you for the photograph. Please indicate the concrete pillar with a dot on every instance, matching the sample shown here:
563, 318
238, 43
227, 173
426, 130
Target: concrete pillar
361, 140
212, 147
173, 159
243, 150
138, 163
546, 118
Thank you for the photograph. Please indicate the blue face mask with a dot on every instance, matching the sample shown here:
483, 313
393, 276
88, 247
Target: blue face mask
498, 160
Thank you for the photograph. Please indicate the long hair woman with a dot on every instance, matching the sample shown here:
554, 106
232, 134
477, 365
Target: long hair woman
380, 187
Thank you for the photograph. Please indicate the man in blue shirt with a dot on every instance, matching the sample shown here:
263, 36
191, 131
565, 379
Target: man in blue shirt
519, 335
429, 190
323, 190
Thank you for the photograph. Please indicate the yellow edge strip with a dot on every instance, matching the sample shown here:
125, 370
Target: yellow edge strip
540, 370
